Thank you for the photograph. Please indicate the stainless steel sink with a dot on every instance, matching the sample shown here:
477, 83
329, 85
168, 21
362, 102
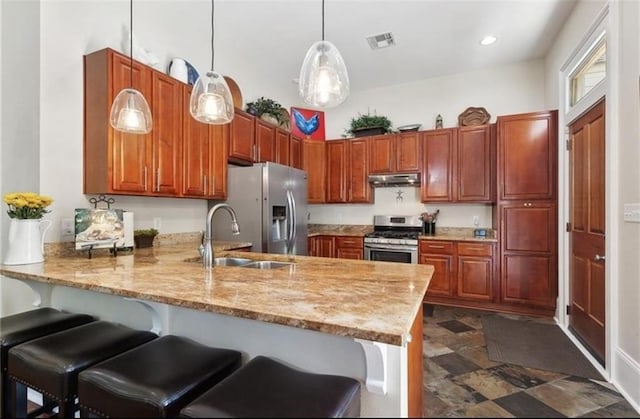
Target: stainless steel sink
224, 261
267, 264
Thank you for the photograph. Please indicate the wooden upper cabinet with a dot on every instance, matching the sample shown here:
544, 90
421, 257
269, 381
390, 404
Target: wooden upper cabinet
265, 141
381, 154
314, 163
168, 111
394, 153
242, 137
438, 158
196, 158
347, 171
527, 154
476, 164
337, 161
295, 152
205, 150
176, 159
358, 186
283, 147
407, 152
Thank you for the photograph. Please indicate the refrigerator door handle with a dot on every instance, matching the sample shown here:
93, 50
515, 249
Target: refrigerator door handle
294, 222
289, 222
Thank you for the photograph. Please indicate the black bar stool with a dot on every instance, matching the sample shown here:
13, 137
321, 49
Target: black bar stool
266, 388
51, 364
156, 379
22, 327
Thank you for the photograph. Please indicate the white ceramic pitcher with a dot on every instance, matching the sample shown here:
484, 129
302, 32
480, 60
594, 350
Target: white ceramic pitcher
26, 241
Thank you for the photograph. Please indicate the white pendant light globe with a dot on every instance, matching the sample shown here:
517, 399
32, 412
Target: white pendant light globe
130, 112
211, 101
323, 81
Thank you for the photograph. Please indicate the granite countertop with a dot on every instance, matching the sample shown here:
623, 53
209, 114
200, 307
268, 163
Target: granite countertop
459, 234
338, 230
442, 233
375, 301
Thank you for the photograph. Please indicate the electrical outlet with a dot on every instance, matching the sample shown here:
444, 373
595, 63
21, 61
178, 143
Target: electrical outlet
476, 220
157, 223
67, 227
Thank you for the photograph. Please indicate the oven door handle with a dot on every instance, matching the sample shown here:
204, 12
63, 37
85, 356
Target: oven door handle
390, 247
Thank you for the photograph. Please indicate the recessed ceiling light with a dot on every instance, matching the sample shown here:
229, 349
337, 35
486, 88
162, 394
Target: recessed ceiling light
488, 40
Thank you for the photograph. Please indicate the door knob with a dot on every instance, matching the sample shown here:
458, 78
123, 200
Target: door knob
598, 258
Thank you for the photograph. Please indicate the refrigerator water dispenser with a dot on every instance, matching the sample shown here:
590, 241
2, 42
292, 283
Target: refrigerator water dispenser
278, 222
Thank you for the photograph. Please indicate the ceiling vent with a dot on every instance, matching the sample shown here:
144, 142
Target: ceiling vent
381, 40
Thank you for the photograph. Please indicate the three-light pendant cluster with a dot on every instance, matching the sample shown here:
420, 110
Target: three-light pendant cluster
323, 82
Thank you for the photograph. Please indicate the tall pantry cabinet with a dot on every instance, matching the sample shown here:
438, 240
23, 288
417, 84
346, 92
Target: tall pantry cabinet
526, 214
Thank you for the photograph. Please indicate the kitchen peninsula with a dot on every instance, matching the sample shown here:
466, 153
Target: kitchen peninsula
356, 318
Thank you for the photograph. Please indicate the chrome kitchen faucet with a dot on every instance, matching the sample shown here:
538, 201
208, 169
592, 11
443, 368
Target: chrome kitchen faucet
206, 249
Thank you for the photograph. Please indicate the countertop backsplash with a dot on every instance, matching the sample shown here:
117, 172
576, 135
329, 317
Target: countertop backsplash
386, 202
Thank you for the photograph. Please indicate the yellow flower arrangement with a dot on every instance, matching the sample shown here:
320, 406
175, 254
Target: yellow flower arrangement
27, 205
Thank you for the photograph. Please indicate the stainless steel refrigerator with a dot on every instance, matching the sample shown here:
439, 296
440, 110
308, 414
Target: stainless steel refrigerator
271, 203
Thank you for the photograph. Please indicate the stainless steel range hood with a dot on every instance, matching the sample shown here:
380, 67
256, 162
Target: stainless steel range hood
399, 179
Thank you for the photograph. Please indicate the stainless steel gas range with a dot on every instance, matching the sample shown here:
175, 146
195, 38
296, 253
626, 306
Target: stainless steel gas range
394, 238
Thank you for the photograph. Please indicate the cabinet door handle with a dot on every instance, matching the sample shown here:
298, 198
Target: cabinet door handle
213, 185
204, 186
158, 180
145, 178
599, 258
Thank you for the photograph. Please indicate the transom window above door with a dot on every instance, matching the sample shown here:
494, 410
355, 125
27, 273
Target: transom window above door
591, 71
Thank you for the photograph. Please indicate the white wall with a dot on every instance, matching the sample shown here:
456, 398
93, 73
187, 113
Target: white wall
623, 175
386, 202
19, 127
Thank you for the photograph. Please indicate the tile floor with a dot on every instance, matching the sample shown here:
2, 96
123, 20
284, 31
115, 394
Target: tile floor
461, 381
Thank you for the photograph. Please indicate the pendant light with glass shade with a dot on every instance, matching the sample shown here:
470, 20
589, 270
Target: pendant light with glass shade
211, 100
130, 111
324, 81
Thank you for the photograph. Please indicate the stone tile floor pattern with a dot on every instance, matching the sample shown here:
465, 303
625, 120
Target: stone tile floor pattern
461, 381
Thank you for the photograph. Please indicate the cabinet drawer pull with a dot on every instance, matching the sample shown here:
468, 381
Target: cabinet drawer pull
433, 246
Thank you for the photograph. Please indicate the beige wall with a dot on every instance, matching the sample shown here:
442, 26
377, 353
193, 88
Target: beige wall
623, 176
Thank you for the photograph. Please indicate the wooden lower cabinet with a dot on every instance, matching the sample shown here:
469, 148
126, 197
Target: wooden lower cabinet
349, 247
529, 266
344, 247
475, 272
321, 246
441, 255
464, 272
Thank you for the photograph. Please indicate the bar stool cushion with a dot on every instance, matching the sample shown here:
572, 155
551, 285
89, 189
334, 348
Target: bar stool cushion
26, 326
51, 364
156, 379
22, 327
267, 388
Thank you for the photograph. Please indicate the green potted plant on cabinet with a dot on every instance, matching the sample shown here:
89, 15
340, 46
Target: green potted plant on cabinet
269, 110
144, 237
366, 124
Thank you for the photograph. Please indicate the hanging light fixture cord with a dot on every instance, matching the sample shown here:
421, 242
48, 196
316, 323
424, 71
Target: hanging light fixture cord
131, 43
323, 20
212, 32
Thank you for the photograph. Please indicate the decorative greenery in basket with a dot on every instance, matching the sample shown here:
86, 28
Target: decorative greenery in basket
144, 237
367, 124
262, 106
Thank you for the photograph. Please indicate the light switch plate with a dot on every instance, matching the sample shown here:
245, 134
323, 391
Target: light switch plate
632, 213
